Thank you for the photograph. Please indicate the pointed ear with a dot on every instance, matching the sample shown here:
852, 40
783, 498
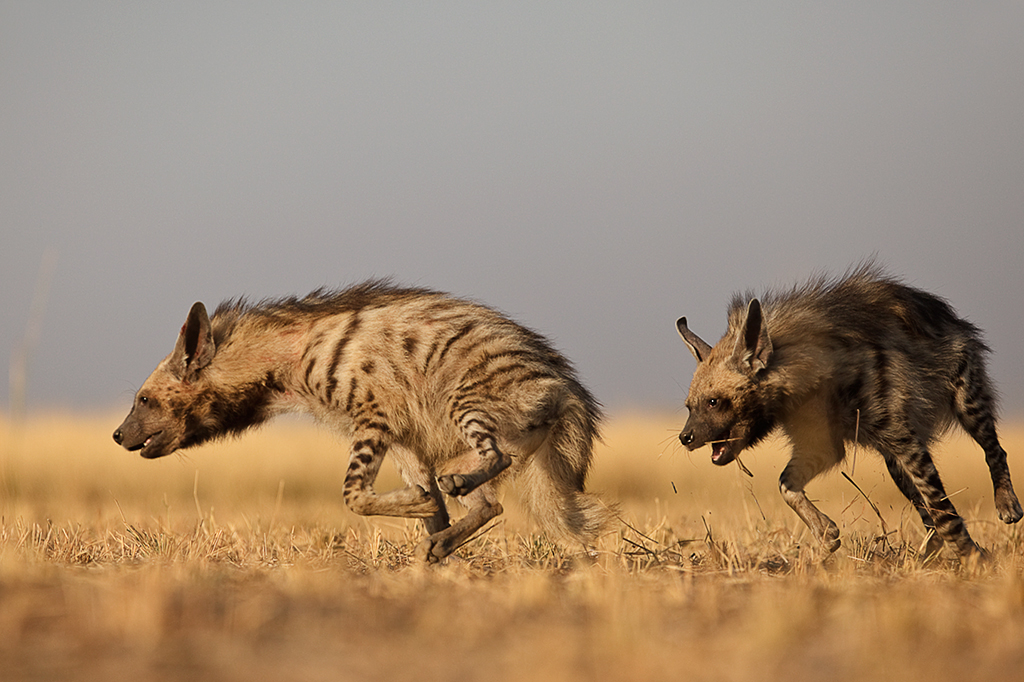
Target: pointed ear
194, 349
697, 345
754, 346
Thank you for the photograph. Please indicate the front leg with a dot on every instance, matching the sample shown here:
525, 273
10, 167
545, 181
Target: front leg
417, 474
368, 450
823, 528
815, 449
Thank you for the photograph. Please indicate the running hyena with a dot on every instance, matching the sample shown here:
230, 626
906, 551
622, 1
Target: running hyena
863, 357
458, 394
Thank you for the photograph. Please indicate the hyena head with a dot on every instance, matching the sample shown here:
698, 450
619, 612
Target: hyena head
729, 408
168, 412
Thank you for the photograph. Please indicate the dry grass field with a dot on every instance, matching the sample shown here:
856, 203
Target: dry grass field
238, 561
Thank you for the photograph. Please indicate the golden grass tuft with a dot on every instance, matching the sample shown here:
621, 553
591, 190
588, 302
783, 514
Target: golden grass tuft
239, 561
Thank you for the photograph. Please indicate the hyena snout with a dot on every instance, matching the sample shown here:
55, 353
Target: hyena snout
127, 433
133, 435
692, 436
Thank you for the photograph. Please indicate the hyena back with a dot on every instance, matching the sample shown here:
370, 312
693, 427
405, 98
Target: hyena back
461, 397
863, 357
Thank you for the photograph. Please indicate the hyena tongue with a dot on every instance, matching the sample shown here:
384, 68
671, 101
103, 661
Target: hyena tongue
720, 452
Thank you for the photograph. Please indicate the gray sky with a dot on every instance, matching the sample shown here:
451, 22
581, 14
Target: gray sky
593, 169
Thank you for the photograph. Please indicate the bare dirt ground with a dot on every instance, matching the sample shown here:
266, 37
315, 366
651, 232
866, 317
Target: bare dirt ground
238, 561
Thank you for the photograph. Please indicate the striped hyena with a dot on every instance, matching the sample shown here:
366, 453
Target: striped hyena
459, 395
863, 357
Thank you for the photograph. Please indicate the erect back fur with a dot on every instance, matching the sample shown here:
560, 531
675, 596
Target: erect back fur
865, 306
874, 341
458, 393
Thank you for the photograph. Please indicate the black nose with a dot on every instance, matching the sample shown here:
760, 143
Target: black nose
118, 436
686, 437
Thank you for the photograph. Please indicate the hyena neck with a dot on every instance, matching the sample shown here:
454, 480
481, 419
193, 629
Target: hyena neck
254, 370
219, 411
796, 375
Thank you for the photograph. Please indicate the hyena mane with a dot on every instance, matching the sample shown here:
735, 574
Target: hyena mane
460, 396
862, 358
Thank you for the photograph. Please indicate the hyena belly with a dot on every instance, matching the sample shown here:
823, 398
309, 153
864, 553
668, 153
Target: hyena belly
457, 392
862, 358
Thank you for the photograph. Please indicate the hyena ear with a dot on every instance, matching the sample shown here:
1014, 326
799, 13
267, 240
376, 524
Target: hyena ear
754, 347
194, 349
697, 345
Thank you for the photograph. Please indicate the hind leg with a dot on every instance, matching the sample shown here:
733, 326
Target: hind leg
974, 410
910, 491
1006, 499
479, 431
483, 506
914, 458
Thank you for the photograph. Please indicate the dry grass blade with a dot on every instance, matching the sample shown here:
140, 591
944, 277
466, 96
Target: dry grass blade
885, 530
743, 468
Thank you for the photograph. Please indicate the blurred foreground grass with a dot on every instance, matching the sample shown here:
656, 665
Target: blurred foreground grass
239, 561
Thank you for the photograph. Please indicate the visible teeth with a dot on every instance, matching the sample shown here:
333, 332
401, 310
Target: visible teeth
147, 441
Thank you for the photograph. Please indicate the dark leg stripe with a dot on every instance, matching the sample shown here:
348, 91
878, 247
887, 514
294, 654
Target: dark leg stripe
484, 427
379, 427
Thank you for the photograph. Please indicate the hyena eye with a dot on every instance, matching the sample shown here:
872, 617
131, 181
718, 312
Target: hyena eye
713, 402
148, 402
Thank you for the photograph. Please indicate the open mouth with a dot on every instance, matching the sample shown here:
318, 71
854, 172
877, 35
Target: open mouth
144, 444
723, 448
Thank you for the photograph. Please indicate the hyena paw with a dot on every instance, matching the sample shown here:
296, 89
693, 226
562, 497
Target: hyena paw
830, 539
1009, 508
429, 551
974, 557
423, 506
424, 552
456, 484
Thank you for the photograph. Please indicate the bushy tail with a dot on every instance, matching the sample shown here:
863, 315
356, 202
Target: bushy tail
552, 482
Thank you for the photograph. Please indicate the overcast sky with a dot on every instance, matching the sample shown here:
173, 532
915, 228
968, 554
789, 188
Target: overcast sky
593, 169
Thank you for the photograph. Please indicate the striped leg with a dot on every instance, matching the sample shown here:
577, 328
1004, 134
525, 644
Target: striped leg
368, 450
975, 411
478, 430
1006, 499
917, 462
910, 491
